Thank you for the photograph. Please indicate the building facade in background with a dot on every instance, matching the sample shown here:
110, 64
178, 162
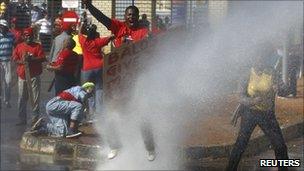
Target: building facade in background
192, 13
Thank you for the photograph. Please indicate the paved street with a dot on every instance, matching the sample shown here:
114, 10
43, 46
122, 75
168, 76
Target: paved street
11, 134
295, 151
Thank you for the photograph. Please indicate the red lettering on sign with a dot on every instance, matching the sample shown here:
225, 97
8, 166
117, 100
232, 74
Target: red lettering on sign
127, 64
113, 58
126, 52
113, 83
114, 70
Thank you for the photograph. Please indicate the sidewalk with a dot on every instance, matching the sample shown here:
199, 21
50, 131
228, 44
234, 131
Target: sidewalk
219, 138
213, 136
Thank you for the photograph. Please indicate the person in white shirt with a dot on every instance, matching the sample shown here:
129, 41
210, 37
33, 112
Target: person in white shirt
45, 32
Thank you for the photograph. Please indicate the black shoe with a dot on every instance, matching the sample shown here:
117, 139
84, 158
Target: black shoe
37, 125
73, 133
21, 123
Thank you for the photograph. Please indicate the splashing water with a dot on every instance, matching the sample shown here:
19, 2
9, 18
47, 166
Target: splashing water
190, 71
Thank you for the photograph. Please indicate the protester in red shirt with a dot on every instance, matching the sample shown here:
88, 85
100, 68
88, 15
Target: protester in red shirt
158, 26
17, 32
129, 30
92, 65
65, 67
32, 53
92, 46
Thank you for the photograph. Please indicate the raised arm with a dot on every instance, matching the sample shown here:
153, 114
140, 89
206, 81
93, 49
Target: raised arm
106, 21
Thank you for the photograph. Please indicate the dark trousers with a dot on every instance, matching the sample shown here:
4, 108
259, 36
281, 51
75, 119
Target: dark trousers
146, 133
293, 81
268, 123
293, 69
46, 41
63, 82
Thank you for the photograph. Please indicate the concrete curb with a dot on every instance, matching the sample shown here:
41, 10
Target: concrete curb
255, 146
63, 149
60, 148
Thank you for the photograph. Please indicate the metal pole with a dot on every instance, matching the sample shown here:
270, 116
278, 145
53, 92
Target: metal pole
1, 90
153, 14
113, 8
171, 12
286, 45
113, 16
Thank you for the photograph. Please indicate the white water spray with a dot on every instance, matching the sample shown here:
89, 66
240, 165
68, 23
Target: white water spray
188, 75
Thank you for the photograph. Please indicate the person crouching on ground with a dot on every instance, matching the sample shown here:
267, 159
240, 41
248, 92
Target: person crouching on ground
257, 95
65, 67
65, 112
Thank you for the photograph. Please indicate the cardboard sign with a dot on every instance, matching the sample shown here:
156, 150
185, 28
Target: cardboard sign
70, 3
122, 65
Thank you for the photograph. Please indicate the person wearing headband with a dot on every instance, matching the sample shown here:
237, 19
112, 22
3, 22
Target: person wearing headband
65, 111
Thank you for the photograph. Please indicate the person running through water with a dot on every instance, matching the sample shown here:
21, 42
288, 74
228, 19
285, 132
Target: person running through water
257, 96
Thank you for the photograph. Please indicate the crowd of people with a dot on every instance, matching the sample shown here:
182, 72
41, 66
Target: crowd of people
76, 59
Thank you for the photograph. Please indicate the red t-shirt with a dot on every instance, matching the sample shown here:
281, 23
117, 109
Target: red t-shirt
91, 49
120, 30
68, 59
34, 66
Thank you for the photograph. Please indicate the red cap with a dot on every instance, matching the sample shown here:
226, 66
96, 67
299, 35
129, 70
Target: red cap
28, 31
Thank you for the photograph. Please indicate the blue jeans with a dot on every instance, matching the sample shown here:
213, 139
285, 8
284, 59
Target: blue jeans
95, 76
60, 113
63, 82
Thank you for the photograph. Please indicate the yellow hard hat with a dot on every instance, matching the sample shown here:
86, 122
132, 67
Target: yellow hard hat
88, 85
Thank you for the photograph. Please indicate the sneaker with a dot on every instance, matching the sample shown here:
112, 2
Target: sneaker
151, 155
113, 153
37, 125
73, 133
